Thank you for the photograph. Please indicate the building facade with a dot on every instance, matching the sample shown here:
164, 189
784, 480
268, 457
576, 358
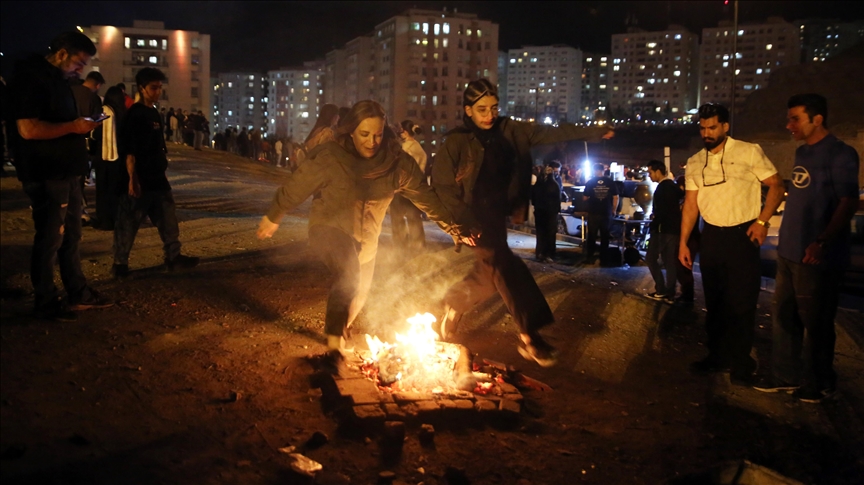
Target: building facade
761, 49
544, 83
654, 74
824, 38
184, 57
503, 61
416, 65
241, 101
595, 86
294, 99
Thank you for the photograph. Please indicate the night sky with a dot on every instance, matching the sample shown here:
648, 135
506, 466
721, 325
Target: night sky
268, 35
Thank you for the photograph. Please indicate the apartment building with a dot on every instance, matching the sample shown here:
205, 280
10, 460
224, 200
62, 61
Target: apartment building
241, 101
184, 57
822, 39
294, 98
595, 86
544, 83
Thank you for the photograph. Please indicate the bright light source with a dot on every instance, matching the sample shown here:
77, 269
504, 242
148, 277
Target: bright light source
548, 120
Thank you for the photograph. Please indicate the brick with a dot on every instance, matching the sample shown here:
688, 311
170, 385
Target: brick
514, 397
426, 407
446, 404
360, 391
369, 412
409, 396
509, 407
394, 412
464, 404
485, 406
508, 388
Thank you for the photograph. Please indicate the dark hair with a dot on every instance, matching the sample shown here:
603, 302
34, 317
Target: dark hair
554, 164
148, 75
411, 128
657, 165
599, 166
73, 42
325, 119
476, 90
359, 112
96, 76
711, 110
343, 111
122, 86
814, 104
116, 100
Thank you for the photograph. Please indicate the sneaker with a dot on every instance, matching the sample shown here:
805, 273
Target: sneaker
120, 270
656, 296
450, 323
93, 299
706, 366
538, 350
669, 300
182, 262
57, 311
773, 384
813, 396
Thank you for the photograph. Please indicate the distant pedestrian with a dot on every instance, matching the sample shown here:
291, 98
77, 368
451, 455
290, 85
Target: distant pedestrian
724, 186
602, 196
243, 143
546, 198
406, 220
277, 147
665, 229
169, 122
812, 255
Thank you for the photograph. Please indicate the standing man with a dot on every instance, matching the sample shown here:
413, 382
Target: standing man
546, 198
147, 192
665, 229
51, 157
87, 95
723, 184
812, 255
602, 196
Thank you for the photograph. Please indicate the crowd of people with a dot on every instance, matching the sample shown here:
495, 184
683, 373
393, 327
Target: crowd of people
358, 165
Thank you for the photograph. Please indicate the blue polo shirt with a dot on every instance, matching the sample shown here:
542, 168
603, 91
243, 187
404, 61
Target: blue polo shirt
824, 173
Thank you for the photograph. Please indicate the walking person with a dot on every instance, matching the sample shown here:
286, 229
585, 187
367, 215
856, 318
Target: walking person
546, 198
812, 255
483, 175
354, 179
602, 196
406, 220
724, 186
147, 192
111, 162
47, 138
665, 232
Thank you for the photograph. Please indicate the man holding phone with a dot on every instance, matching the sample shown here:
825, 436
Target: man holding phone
723, 184
50, 152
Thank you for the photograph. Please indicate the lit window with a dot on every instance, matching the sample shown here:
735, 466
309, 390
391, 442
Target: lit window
741, 32
164, 44
154, 43
252, 100
444, 43
304, 114
141, 43
305, 83
512, 61
415, 26
677, 36
230, 84
425, 28
153, 60
230, 113
759, 71
446, 28
588, 60
479, 34
602, 86
251, 106
127, 42
436, 29
676, 73
768, 47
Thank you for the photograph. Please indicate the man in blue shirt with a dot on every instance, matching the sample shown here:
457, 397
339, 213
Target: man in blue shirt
813, 253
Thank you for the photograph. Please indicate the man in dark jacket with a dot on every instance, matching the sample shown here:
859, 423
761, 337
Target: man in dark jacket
546, 198
602, 196
665, 230
47, 138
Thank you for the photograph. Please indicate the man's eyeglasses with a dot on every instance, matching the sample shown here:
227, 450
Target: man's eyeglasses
722, 169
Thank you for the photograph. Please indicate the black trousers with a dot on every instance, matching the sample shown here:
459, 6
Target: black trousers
406, 224
107, 200
340, 253
597, 223
731, 277
685, 274
546, 224
159, 207
57, 206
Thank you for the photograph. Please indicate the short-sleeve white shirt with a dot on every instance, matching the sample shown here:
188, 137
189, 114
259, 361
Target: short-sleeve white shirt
739, 198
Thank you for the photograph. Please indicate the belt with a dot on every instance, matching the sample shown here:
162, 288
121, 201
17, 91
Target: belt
743, 225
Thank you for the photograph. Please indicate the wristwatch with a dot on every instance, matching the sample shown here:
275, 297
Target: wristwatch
762, 223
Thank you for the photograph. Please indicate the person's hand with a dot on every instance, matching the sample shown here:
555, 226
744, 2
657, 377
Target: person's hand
609, 134
757, 233
472, 239
134, 187
813, 254
684, 256
266, 228
82, 126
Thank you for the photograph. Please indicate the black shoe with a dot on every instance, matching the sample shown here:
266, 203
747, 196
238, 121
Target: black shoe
450, 323
182, 262
773, 384
707, 366
56, 310
538, 350
120, 270
93, 299
813, 396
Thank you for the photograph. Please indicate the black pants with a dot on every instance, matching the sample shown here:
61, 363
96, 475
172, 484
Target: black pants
406, 224
57, 206
546, 223
731, 277
340, 253
159, 207
597, 223
685, 274
107, 200
497, 269
663, 247
805, 304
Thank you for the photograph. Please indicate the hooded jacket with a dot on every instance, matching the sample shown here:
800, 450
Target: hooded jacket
350, 195
457, 164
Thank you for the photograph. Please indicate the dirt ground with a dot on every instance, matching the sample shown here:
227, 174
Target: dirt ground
199, 376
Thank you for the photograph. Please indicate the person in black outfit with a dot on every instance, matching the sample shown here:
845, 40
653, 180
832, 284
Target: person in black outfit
602, 196
147, 191
47, 139
665, 229
546, 198
683, 273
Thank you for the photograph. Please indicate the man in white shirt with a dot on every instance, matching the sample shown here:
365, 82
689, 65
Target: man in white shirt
723, 184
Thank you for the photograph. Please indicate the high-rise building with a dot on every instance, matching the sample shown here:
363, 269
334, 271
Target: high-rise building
823, 38
241, 101
595, 86
416, 65
654, 73
184, 57
762, 48
544, 83
294, 98
503, 58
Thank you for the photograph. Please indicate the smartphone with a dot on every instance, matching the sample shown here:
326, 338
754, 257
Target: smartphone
98, 119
